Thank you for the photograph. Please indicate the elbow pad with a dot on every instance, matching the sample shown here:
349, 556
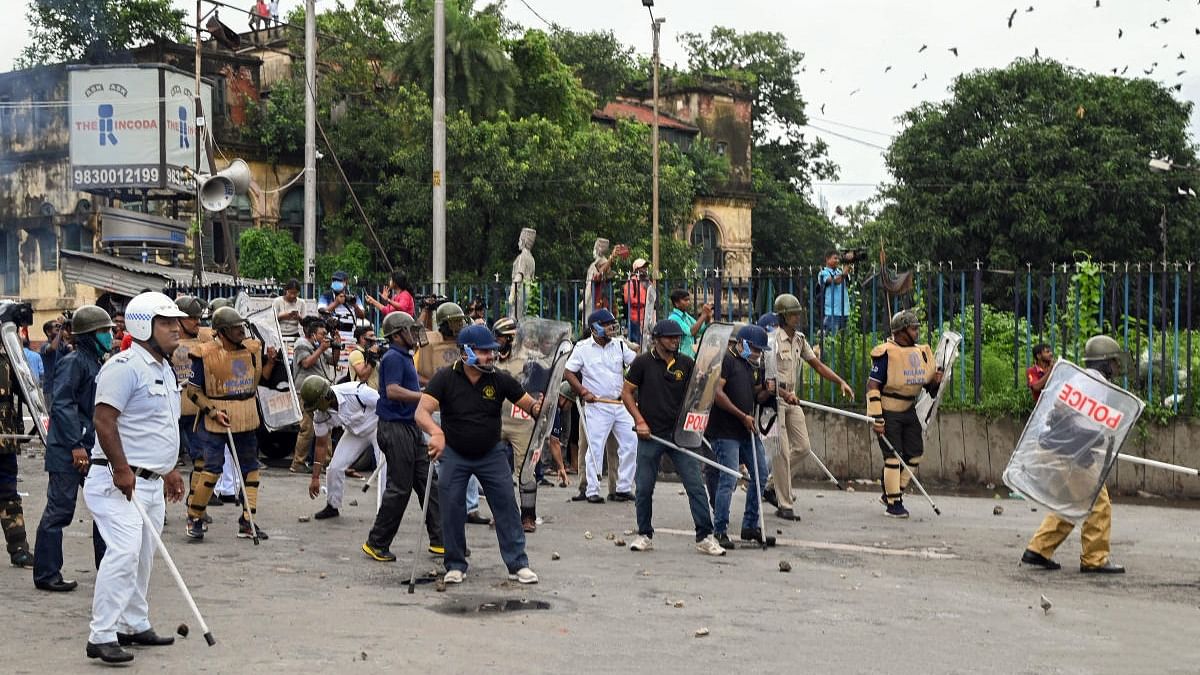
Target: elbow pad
874, 403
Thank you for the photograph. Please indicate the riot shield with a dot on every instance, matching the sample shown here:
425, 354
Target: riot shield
945, 357
1071, 440
649, 316
544, 346
277, 404
702, 388
31, 393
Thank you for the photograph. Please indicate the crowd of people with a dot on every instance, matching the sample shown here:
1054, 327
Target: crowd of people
445, 403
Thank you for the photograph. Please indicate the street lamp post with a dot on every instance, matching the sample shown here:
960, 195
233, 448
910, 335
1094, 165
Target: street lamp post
439, 146
1158, 165
656, 28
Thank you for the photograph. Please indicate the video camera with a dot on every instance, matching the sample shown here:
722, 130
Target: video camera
431, 301
851, 256
20, 313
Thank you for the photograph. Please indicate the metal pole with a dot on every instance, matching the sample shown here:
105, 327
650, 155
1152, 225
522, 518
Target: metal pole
310, 143
439, 146
197, 244
656, 27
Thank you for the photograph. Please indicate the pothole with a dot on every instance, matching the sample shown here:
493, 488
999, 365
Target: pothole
489, 606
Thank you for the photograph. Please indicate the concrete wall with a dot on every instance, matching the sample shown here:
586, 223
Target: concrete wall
969, 451
734, 219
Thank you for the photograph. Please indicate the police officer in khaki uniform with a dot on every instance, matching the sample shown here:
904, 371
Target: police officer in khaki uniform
516, 426
900, 369
223, 385
191, 336
791, 350
442, 350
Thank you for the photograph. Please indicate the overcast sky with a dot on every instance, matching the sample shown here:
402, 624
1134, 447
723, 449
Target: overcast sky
856, 40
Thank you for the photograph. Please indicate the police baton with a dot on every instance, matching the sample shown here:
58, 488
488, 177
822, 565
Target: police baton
241, 479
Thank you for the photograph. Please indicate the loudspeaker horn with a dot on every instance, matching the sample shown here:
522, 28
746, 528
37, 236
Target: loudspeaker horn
218, 190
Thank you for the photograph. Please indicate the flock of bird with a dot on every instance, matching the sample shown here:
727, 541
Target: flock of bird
1013, 18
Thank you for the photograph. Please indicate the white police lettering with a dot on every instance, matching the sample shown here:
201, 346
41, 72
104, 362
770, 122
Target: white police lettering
1089, 407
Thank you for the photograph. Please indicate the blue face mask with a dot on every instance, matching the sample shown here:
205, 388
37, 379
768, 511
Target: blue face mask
338, 286
105, 340
746, 350
599, 331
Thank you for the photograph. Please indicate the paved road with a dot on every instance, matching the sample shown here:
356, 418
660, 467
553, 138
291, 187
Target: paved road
865, 595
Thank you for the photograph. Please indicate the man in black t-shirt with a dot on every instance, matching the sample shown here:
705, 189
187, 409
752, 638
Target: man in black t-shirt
731, 430
469, 395
653, 394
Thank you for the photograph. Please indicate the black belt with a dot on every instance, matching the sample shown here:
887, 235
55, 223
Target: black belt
898, 396
234, 397
137, 470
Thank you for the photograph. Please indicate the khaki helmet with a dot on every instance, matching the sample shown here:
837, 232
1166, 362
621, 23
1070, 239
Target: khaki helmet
903, 319
190, 305
90, 318
787, 303
226, 317
447, 312
1102, 348
315, 392
218, 303
394, 322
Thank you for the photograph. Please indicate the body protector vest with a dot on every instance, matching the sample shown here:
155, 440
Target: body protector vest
439, 353
513, 418
909, 370
182, 363
231, 383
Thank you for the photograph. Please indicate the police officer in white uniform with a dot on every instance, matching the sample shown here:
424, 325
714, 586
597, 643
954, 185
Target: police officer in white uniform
351, 406
137, 434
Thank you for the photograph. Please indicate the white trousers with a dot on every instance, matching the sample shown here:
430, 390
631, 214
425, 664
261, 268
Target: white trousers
120, 603
602, 419
227, 484
348, 449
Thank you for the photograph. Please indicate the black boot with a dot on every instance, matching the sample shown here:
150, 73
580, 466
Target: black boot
147, 638
109, 652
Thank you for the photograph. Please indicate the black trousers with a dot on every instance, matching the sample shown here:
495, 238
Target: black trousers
903, 429
407, 468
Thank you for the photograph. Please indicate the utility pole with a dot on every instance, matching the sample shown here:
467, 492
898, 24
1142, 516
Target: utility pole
439, 146
656, 29
310, 143
197, 245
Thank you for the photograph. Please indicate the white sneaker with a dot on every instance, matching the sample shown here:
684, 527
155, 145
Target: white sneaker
709, 546
454, 577
524, 576
642, 543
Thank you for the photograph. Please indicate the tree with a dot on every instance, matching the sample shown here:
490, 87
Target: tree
1029, 163
602, 63
95, 31
480, 77
268, 254
547, 87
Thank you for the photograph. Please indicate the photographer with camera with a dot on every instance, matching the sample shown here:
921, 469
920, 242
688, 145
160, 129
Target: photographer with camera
56, 347
364, 357
832, 281
339, 303
316, 353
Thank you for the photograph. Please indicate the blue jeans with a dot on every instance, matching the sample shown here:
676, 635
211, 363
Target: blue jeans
213, 448
649, 455
831, 324
473, 484
495, 478
732, 452
62, 488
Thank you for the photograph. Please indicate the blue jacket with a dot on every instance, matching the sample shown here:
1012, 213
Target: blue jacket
71, 424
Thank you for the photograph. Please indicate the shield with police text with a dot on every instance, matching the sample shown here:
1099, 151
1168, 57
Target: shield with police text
945, 356
278, 405
31, 393
702, 388
1071, 440
545, 346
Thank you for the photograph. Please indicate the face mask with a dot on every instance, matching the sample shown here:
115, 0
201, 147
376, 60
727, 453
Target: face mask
338, 286
598, 330
472, 359
105, 340
746, 350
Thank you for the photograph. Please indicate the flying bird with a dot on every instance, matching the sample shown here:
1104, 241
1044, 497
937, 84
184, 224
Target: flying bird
822, 108
1180, 73
1011, 16
1149, 72
915, 85
1178, 87
822, 70
1030, 9
887, 69
924, 47
1180, 57
1097, 3
1120, 33
855, 92
924, 76
1165, 20
1124, 70
1154, 24
954, 50
1036, 54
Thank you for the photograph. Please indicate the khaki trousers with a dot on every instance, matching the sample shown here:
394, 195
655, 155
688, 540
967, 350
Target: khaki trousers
304, 441
793, 447
1094, 535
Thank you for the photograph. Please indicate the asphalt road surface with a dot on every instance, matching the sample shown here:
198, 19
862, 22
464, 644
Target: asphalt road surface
865, 594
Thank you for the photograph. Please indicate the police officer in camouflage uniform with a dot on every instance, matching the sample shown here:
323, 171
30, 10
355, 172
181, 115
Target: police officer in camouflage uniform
12, 518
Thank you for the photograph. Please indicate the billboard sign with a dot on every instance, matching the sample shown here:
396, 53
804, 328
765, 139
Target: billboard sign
133, 127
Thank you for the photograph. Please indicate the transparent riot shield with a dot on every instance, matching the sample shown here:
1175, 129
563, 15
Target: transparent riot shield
945, 357
277, 404
649, 316
31, 393
702, 388
544, 345
1071, 440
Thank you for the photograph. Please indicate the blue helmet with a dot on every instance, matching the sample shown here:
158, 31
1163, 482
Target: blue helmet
666, 328
754, 336
768, 321
601, 316
477, 336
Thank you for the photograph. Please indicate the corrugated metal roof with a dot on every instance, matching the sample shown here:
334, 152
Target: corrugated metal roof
130, 277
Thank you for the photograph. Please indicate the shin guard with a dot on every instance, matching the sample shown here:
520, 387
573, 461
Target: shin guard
12, 520
251, 481
906, 477
891, 481
198, 503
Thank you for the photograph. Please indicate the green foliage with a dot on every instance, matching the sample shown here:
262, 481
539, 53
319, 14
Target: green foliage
602, 63
352, 258
276, 124
1028, 163
269, 254
95, 31
546, 86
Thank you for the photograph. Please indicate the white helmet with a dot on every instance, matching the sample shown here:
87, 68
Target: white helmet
140, 313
